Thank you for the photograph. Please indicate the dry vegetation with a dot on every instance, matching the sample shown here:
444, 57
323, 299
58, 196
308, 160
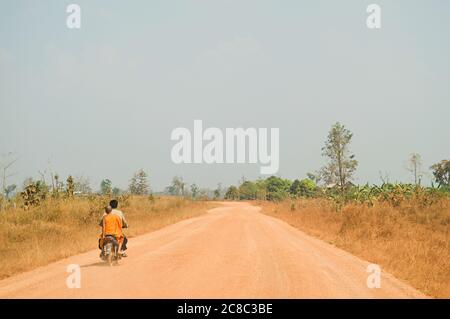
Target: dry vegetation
59, 228
410, 240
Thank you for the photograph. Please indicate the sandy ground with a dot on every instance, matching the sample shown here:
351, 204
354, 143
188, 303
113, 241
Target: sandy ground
233, 251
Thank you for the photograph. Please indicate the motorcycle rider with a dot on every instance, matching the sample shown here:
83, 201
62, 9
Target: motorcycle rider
114, 204
112, 226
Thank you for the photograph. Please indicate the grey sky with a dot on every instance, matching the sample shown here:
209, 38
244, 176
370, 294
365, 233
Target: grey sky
102, 101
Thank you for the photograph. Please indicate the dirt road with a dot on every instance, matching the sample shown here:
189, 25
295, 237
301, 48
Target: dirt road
233, 251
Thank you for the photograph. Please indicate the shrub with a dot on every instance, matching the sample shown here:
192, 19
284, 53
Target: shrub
33, 194
305, 187
232, 193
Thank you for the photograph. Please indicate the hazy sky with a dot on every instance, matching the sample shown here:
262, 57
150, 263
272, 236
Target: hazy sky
102, 101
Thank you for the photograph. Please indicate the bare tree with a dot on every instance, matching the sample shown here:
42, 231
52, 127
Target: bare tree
57, 185
5, 167
82, 185
414, 166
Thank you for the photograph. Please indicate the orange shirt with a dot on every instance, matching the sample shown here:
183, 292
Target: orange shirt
112, 225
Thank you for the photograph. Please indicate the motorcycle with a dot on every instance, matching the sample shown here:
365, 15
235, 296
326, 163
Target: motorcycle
110, 250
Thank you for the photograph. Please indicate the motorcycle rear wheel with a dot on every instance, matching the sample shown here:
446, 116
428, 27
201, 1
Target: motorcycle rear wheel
110, 259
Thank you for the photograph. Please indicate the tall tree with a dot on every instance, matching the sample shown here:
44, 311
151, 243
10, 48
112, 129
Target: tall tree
139, 183
414, 165
342, 163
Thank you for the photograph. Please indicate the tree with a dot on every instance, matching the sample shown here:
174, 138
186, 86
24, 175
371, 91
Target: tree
70, 186
139, 183
82, 185
441, 172
177, 187
304, 187
295, 188
277, 188
5, 166
194, 190
9, 190
106, 187
247, 190
34, 193
203, 194
341, 164
232, 193
261, 189
218, 191
57, 185
415, 167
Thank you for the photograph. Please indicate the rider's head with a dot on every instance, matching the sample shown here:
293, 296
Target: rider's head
114, 203
108, 209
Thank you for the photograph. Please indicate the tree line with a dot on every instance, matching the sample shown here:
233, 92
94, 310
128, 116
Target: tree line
35, 191
335, 177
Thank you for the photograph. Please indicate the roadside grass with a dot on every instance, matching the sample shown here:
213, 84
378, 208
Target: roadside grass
411, 241
59, 228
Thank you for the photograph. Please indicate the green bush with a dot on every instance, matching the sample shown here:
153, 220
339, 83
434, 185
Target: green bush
247, 190
232, 193
305, 187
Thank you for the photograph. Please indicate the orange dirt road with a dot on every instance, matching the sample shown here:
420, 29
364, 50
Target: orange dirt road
233, 251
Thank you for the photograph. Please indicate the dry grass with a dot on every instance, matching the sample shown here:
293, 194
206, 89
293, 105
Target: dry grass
61, 228
410, 241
